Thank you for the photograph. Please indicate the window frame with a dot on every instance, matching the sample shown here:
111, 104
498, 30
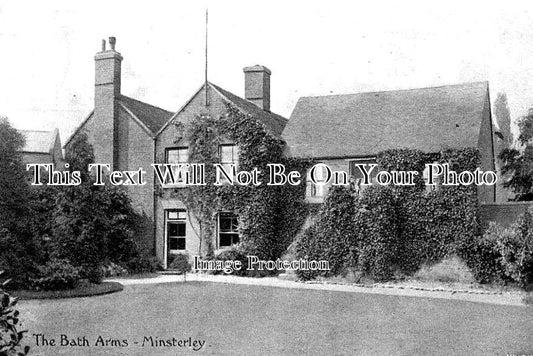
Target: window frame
234, 229
178, 220
177, 148
234, 153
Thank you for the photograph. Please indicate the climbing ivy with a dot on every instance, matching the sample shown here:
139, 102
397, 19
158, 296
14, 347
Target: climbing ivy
269, 216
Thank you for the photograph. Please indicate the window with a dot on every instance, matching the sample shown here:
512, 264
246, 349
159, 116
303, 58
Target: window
316, 190
229, 154
178, 155
176, 230
436, 179
356, 173
227, 230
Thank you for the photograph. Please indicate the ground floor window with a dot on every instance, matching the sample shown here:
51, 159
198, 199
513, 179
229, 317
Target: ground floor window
176, 230
227, 230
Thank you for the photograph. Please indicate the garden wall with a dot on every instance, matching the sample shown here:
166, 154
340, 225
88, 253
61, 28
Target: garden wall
504, 213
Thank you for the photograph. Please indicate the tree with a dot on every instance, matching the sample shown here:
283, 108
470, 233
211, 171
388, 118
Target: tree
503, 118
79, 154
14, 188
93, 224
518, 164
18, 251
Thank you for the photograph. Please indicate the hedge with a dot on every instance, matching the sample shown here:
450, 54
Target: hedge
395, 228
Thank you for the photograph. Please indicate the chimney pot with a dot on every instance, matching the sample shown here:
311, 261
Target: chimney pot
103, 45
112, 41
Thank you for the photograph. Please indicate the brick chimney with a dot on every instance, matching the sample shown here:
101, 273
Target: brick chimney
106, 93
257, 86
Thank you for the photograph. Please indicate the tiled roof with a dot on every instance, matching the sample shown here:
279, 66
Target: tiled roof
274, 122
39, 141
429, 119
151, 116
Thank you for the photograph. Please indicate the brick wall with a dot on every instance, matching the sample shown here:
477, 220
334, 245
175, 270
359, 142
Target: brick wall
505, 214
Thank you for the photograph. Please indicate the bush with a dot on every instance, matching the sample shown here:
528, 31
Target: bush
180, 263
16, 259
516, 250
57, 275
504, 254
94, 274
378, 242
112, 269
234, 253
333, 236
10, 337
481, 257
449, 270
143, 264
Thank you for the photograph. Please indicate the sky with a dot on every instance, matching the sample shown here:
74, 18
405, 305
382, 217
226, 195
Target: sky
312, 48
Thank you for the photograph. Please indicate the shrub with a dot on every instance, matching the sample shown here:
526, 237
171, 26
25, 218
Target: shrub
10, 337
378, 242
333, 236
515, 246
451, 269
234, 253
309, 246
95, 274
57, 275
180, 263
143, 264
112, 269
16, 258
481, 257
503, 254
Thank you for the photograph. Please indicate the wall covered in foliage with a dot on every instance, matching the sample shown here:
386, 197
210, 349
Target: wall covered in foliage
269, 216
396, 228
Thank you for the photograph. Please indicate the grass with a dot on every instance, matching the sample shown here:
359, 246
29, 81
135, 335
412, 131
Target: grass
449, 270
85, 290
137, 276
251, 320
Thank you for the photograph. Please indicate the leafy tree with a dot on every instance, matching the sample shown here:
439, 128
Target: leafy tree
17, 246
79, 155
518, 164
93, 224
503, 117
14, 188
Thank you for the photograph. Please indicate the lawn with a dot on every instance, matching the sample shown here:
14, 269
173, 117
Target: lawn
252, 320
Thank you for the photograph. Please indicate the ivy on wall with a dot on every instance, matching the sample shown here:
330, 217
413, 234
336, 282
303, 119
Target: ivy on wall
269, 216
396, 228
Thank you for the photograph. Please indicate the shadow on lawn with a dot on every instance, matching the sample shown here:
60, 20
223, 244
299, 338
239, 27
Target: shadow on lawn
85, 290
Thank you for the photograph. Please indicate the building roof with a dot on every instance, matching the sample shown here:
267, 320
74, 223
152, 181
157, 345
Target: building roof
39, 141
363, 124
151, 116
272, 121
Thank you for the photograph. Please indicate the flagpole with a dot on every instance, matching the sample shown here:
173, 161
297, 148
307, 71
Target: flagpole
206, 27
